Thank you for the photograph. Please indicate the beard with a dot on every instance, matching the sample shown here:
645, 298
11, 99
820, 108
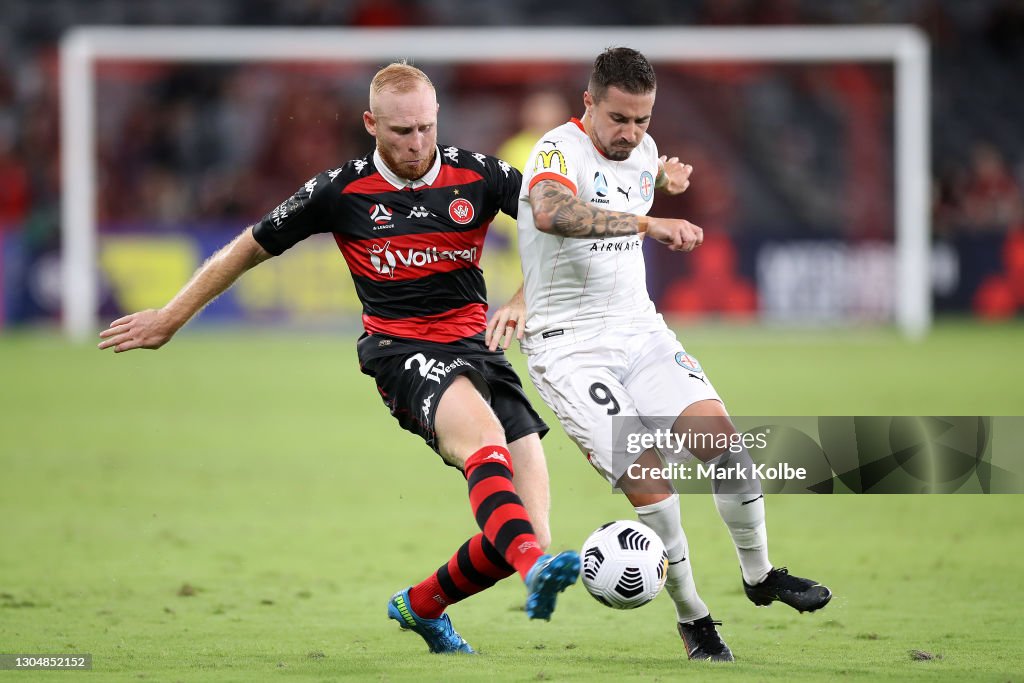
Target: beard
406, 171
619, 152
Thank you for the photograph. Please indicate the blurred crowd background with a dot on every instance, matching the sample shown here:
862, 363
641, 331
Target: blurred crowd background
782, 153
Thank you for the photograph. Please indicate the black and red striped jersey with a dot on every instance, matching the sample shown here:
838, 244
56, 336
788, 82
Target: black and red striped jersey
413, 248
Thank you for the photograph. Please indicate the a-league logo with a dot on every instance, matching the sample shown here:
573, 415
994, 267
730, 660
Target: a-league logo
461, 211
382, 260
380, 214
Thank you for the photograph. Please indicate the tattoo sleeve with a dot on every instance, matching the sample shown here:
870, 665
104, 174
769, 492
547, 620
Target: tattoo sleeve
562, 213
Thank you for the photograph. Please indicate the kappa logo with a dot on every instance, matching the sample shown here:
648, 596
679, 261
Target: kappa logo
461, 211
419, 212
452, 153
482, 158
527, 545
505, 168
360, 164
380, 214
382, 259
310, 186
426, 405
495, 455
335, 173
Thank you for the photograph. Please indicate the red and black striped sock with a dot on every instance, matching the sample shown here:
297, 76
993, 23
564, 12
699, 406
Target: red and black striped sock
475, 567
498, 509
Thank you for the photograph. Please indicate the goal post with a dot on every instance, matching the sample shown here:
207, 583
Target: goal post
904, 46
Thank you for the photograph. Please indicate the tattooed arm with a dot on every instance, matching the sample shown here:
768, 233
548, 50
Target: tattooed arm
557, 211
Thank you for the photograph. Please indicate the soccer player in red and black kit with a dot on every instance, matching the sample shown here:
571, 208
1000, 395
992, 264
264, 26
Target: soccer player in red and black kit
410, 220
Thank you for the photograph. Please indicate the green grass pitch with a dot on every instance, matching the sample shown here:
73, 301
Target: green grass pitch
239, 506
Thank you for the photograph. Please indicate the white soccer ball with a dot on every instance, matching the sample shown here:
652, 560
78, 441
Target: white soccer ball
624, 564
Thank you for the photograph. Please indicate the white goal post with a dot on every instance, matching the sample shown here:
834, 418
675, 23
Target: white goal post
906, 47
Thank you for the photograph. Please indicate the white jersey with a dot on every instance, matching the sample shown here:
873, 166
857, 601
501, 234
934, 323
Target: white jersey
577, 288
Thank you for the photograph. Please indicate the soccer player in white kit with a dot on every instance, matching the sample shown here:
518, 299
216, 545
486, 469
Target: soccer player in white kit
597, 347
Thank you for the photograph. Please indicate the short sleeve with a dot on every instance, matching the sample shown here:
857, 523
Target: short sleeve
305, 213
555, 158
506, 181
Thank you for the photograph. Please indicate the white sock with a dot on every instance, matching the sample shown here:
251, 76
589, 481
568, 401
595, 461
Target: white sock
741, 507
664, 518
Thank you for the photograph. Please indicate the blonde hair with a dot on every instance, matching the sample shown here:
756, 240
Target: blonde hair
398, 77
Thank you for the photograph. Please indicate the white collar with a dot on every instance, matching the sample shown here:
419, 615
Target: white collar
401, 183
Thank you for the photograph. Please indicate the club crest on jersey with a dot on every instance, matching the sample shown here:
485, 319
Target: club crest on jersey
461, 211
382, 260
380, 214
688, 362
646, 185
600, 185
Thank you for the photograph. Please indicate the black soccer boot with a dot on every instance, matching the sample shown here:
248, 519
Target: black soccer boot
702, 641
802, 595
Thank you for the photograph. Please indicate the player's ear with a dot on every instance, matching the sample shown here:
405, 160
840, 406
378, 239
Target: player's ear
588, 101
370, 123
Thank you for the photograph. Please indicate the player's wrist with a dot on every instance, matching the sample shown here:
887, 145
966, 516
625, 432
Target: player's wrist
641, 224
661, 180
172, 318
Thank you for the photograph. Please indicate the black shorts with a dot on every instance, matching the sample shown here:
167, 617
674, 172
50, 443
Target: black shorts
411, 376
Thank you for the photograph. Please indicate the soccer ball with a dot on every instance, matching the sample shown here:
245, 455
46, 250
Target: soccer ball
624, 564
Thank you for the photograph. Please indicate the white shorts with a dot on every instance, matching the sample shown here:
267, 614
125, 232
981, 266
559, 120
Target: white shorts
617, 384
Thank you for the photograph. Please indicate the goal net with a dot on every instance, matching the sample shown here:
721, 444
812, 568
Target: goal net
810, 149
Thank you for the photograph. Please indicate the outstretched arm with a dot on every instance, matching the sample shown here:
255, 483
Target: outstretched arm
557, 211
152, 328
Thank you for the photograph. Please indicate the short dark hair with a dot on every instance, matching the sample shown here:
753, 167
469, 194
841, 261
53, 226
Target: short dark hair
623, 67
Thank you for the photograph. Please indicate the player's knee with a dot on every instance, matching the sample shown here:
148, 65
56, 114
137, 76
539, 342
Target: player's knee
491, 435
465, 423
711, 424
642, 499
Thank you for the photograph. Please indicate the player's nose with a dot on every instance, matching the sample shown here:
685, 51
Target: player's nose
630, 133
